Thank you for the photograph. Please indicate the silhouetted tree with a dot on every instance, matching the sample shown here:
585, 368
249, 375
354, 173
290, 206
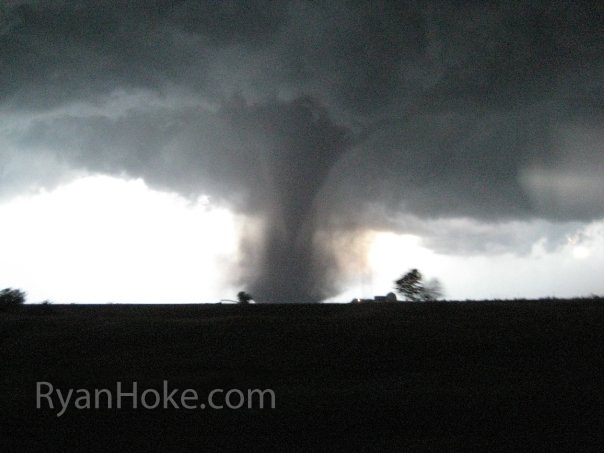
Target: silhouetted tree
10, 297
410, 285
244, 298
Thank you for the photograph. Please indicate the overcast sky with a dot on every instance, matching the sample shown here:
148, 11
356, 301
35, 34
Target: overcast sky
304, 151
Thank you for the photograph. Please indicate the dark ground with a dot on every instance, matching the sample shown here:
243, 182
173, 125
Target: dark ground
491, 376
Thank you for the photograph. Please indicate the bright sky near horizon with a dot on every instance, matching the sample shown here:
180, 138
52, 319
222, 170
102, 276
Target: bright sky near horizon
101, 239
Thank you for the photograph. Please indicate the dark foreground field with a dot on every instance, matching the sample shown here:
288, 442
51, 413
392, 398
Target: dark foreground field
420, 377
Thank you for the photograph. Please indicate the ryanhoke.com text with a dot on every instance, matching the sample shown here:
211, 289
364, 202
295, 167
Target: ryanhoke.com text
131, 396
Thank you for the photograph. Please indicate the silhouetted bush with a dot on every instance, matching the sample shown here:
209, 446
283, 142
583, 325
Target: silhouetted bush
244, 298
10, 297
432, 290
43, 308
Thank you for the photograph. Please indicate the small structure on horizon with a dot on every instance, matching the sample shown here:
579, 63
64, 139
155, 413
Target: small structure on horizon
390, 297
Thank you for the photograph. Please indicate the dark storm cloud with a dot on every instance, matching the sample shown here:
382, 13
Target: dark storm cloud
319, 117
